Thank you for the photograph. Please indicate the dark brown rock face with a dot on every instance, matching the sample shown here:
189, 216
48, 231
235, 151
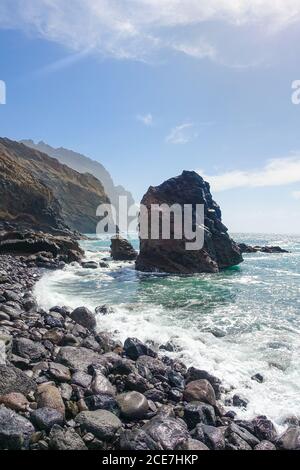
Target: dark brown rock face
38, 191
171, 256
122, 250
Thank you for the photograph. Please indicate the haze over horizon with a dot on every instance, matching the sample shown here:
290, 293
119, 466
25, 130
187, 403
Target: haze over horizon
151, 88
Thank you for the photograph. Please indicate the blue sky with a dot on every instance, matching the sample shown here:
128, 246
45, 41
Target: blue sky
151, 88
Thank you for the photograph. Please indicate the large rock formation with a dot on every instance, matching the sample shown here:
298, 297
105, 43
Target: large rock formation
83, 164
41, 192
219, 250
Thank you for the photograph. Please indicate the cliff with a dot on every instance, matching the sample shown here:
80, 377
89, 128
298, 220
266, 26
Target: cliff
38, 190
83, 164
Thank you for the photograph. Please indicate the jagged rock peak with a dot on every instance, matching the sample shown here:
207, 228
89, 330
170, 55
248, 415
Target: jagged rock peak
171, 256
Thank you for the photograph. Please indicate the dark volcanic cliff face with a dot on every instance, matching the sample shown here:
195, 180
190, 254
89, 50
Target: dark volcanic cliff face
83, 164
40, 191
171, 256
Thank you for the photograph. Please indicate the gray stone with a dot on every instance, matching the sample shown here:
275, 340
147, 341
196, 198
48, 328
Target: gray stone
84, 317
101, 423
134, 348
101, 384
15, 431
264, 429
211, 436
265, 445
168, 432
234, 432
45, 418
137, 440
290, 439
77, 358
59, 372
14, 380
133, 405
82, 379
199, 413
65, 439
200, 390
28, 349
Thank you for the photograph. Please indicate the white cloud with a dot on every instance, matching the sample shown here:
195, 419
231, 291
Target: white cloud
146, 119
182, 134
135, 29
276, 172
296, 194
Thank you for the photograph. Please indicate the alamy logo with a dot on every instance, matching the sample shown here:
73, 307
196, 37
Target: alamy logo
296, 92
2, 92
157, 222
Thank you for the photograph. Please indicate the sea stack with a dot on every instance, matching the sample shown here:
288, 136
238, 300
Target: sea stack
171, 256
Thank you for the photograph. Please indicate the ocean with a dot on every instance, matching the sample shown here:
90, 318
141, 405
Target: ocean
243, 321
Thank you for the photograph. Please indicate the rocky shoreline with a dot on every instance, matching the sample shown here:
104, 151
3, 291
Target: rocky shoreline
66, 386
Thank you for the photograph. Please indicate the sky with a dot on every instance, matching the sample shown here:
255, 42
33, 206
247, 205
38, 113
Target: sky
153, 87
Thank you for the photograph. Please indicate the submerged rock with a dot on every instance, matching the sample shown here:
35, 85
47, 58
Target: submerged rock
171, 256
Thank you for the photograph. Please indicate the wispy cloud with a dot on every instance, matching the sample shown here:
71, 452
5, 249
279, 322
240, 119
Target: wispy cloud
136, 29
146, 119
182, 134
276, 172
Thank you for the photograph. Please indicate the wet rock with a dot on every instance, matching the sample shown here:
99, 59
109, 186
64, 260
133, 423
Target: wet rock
49, 396
29, 349
82, 379
235, 433
84, 317
264, 429
193, 444
290, 439
145, 364
176, 379
59, 372
137, 383
45, 418
122, 250
90, 265
101, 423
77, 358
14, 380
155, 395
14, 401
123, 367
137, 440
133, 405
240, 402
200, 390
170, 433
101, 384
104, 310
65, 439
258, 378
134, 349
265, 445
54, 321
196, 413
197, 374
211, 436
103, 402
15, 431
54, 336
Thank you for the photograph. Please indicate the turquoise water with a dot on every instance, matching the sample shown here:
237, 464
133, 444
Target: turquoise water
237, 323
